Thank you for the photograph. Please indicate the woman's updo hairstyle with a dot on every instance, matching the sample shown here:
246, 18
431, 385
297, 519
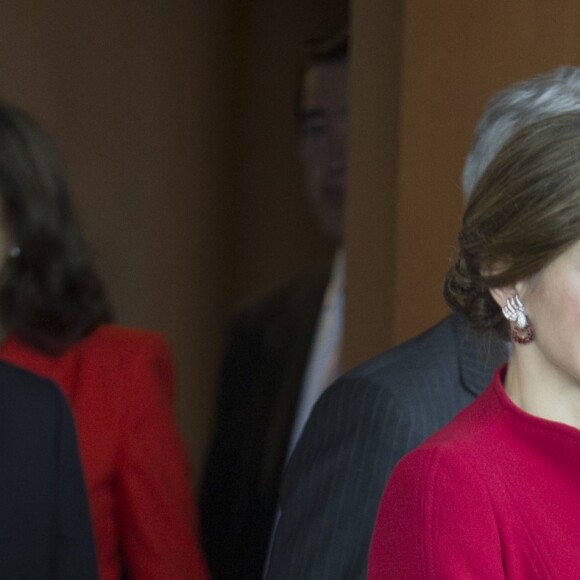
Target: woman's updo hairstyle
524, 212
50, 295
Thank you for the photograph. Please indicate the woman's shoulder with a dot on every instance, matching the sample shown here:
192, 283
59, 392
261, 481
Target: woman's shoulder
124, 340
455, 456
437, 498
467, 442
139, 357
472, 424
130, 351
120, 333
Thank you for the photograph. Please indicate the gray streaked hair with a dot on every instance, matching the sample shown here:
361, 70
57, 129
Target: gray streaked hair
548, 94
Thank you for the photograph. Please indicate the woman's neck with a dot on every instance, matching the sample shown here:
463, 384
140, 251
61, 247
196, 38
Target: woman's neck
542, 389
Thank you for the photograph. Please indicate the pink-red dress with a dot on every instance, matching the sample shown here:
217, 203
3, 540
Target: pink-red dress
493, 495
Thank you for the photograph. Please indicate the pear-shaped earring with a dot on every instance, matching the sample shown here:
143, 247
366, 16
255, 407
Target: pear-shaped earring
514, 311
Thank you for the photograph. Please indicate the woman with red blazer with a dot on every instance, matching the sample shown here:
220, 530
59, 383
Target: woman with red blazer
119, 381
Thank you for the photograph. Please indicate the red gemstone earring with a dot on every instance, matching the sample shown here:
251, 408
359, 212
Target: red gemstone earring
514, 311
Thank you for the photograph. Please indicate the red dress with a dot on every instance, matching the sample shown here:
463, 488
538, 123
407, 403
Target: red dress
119, 383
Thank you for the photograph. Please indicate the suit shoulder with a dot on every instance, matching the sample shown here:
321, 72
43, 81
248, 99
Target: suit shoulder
306, 288
406, 382
434, 349
419, 381
19, 386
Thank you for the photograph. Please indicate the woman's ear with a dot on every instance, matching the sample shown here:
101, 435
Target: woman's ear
501, 295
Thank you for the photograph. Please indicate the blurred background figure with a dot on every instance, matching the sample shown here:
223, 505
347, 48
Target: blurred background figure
284, 349
56, 322
46, 527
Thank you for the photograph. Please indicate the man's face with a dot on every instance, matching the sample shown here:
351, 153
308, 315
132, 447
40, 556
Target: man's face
323, 125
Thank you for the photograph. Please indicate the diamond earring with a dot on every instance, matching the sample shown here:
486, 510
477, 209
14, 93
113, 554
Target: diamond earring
515, 312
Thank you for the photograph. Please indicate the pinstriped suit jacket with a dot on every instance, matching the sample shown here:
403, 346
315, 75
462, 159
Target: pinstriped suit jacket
358, 430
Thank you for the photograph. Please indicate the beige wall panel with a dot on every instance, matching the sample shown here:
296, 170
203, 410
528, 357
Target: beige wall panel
373, 186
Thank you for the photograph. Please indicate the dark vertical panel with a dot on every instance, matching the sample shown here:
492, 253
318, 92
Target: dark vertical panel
276, 235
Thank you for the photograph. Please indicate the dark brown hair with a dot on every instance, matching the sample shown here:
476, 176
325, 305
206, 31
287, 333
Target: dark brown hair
524, 212
50, 295
328, 49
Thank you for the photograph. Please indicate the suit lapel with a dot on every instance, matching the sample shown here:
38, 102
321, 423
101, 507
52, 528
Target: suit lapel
293, 333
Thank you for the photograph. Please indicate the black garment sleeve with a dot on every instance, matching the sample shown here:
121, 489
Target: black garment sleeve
74, 557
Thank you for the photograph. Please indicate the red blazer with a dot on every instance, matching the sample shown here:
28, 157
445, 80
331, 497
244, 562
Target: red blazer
119, 383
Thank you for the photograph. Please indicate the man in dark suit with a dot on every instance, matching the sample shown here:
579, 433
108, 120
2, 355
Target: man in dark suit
45, 530
386, 407
283, 349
